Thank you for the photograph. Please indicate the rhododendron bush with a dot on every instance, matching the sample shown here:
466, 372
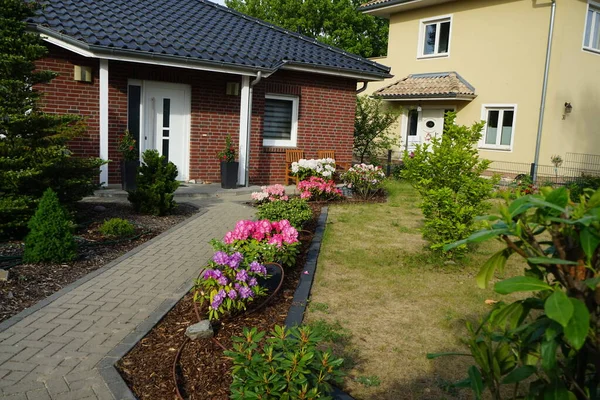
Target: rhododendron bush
322, 168
263, 241
229, 283
315, 188
365, 180
269, 194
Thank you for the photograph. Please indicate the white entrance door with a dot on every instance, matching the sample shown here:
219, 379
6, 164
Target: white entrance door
412, 136
431, 124
167, 123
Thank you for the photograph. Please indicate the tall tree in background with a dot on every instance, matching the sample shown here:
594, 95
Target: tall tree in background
33, 145
333, 22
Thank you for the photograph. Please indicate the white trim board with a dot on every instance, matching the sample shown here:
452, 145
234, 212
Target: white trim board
103, 113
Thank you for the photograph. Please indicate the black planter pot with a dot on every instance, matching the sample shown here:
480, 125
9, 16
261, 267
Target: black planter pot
128, 173
229, 173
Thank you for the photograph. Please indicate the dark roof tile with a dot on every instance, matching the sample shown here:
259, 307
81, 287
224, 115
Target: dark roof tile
196, 29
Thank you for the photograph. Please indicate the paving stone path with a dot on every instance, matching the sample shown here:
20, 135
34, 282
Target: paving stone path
54, 352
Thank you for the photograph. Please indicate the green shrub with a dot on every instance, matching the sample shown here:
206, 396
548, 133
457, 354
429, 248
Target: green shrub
546, 344
579, 185
50, 237
34, 153
156, 185
447, 175
117, 228
289, 366
297, 211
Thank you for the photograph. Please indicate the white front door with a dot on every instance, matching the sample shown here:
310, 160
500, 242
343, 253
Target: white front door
412, 136
167, 123
431, 124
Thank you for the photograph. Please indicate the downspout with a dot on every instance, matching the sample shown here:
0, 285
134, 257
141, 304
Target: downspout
538, 142
362, 89
249, 124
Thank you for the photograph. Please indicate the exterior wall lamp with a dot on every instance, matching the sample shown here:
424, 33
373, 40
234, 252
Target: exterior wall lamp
568, 109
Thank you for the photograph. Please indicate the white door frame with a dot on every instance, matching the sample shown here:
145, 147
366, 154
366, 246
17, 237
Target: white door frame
147, 85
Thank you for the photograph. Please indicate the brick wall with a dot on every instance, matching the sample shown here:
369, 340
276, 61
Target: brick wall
63, 95
325, 120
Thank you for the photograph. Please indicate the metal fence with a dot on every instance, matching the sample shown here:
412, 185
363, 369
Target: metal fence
574, 167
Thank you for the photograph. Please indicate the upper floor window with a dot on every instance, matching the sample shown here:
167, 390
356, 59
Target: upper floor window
499, 130
280, 125
434, 37
591, 38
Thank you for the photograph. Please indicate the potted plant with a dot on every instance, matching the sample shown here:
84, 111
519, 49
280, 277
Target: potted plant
129, 160
229, 167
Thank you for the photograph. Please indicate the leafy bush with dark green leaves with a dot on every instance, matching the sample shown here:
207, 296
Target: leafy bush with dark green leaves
447, 174
289, 366
295, 210
547, 345
50, 237
34, 153
156, 185
117, 228
578, 186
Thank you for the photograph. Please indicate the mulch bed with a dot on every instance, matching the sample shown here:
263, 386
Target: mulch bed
203, 371
30, 283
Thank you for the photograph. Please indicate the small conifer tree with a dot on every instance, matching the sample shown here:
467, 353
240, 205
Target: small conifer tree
50, 237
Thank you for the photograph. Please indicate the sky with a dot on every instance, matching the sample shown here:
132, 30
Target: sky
221, 2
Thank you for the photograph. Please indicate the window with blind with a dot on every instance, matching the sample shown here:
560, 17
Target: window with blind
280, 120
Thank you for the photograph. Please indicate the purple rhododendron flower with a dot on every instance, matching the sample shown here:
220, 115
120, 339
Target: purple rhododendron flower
242, 275
209, 273
236, 286
223, 281
252, 282
218, 299
232, 294
235, 260
246, 292
221, 258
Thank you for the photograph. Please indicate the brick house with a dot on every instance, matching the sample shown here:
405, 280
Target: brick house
182, 75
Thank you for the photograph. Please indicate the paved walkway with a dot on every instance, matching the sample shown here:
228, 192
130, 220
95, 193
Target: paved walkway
53, 353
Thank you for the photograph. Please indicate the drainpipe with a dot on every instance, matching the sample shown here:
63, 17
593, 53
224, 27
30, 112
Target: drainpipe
538, 142
362, 89
252, 84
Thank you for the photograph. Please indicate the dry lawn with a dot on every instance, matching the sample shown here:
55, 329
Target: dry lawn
390, 301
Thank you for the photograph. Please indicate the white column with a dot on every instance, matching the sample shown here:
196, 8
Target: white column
104, 119
244, 129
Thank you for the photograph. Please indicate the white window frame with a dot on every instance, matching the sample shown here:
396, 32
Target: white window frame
292, 142
422, 29
595, 6
484, 116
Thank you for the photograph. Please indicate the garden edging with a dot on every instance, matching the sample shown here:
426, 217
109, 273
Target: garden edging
107, 366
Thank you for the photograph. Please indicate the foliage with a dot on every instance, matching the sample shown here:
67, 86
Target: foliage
318, 189
447, 175
117, 228
33, 145
397, 171
322, 168
288, 366
269, 193
364, 180
127, 146
156, 185
264, 241
337, 23
578, 187
229, 284
50, 237
373, 128
296, 210
523, 185
228, 153
550, 338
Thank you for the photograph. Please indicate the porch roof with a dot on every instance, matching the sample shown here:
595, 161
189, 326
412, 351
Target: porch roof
193, 34
430, 86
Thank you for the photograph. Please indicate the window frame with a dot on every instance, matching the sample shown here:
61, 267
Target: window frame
292, 142
485, 108
438, 20
595, 7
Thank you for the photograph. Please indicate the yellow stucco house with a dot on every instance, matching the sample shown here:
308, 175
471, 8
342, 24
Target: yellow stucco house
529, 68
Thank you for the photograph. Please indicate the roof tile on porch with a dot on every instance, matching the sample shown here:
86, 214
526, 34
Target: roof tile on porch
439, 85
